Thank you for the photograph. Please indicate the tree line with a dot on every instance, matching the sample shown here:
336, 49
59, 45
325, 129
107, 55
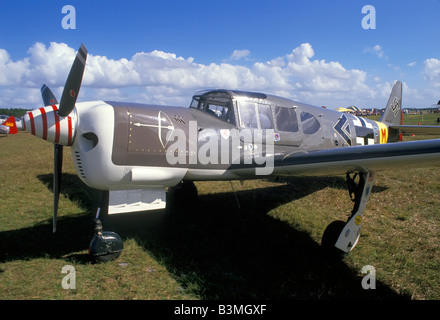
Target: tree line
15, 112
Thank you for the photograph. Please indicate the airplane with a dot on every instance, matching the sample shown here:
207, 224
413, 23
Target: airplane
135, 152
9, 126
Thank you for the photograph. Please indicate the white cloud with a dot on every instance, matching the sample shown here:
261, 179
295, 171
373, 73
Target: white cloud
11, 73
318, 79
239, 54
376, 50
102, 72
50, 64
431, 75
431, 71
165, 78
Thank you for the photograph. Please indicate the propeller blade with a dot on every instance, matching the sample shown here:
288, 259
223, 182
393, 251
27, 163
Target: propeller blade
49, 99
48, 96
57, 168
68, 100
73, 83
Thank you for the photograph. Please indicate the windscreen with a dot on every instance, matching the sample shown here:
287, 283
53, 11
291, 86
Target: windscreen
219, 107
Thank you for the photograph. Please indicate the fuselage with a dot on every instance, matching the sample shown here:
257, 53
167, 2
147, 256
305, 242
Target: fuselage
223, 135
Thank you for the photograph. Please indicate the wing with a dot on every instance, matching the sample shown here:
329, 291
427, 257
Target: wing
391, 156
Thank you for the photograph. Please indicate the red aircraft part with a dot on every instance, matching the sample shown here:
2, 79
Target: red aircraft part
10, 122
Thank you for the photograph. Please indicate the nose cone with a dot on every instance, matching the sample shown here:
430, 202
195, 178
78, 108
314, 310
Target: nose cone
48, 125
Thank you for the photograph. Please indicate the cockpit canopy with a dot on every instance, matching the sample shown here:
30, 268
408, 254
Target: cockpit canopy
217, 103
255, 110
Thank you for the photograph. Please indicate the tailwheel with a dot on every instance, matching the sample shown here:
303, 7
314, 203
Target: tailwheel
105, 245
106, 248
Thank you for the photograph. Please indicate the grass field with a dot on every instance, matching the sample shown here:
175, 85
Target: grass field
263, 242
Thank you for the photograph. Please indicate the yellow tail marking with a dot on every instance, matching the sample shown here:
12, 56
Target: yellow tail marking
383, 132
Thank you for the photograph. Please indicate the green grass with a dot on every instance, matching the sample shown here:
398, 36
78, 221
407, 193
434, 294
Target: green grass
264, 247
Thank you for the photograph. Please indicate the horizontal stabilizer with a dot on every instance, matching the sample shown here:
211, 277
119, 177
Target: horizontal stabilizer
408, 129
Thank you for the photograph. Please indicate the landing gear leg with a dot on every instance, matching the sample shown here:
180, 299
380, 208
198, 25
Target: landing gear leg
341, 237
105, 245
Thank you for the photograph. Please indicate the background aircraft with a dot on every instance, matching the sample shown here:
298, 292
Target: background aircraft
9, 125
134, 152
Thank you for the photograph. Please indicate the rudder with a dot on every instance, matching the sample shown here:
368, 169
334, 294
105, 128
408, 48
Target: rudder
393, 112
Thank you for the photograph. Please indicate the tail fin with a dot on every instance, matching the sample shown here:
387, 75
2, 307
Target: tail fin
393, 112
392, 118
10, 122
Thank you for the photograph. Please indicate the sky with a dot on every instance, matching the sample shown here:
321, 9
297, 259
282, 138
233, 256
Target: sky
327, 53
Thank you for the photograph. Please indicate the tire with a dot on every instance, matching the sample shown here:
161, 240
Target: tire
107, 257
329, 238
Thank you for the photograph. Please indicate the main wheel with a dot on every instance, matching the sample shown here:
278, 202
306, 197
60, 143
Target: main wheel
329, 238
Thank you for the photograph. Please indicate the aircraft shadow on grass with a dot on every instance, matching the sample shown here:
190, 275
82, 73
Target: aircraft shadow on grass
212, 245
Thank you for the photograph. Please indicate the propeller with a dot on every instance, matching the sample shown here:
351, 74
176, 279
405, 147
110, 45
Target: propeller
68, 100
48, 96
73, 83
49, 99
57, 169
